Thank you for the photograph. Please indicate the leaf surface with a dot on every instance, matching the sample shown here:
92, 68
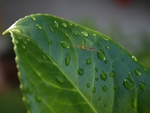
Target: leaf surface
68, 68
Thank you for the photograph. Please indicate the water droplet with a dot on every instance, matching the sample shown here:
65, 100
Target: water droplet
122, 54
103, 75
65, 44
99, 98
33, 18
94, 34
130, 74
88, 85
16, 41
92, 49
128, 83
107, 47
38, 26
50, 42
28, 40
25, 42
134, 58
59, 78
85, 34
137, 72
104, 88
29, 89
112, 74
44, 56
80, 71
56, 24
64, 24
93, 90
51, 29
70, 24
67, 59
88, 61
101, 55
96, 78
75, 33
142, 86
96, 69
134, 103
83, 44
24, 47
38, 98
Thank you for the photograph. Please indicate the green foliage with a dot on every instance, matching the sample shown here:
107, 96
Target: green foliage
68, 68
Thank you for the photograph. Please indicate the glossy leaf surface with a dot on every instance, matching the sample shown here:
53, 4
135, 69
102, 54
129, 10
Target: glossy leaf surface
68, 68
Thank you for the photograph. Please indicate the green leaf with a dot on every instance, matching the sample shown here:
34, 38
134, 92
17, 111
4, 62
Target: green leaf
68, 68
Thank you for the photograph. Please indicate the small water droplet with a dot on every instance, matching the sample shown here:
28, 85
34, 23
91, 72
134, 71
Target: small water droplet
59, 78
38, 26
65, 44
56, 23
107, 47
50, 42
80, 71
70, 24
103, 75
28, 40
134, 103
96, 69
38, 98
16, 41
29, 89
99, 98
24, 47
137, 72
94, 34
33, 18
93, 90
83, 44
88, 85
88, 61
104, 88
67, 59
128, 83
101, 55
122, 54
64, 24
130, 74
96, 78
85, 34
142, 86
112, 74
51, 29
134, 58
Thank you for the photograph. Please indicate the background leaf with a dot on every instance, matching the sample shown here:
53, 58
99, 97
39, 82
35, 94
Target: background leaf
65, 67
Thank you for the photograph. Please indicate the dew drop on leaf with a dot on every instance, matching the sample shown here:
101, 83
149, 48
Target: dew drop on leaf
88, 61
24, 47
59, 78
128, 83
38, 26
67, 59
65, 44
107, 47
64, 24
38, 98
137, 72
80, 71
51, 29
88, 85
50, 42
142, 86
104, 88
83, 44
134, 58
93, 90
29, 89
112, 74
103, 75
101, 55
56, 23
130, 74
33, 18
94, 34
85, 34
134, 103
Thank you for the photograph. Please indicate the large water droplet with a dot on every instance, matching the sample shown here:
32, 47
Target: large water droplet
134, 103
112, 74
88, 61
67, 59
64, 24
51, 29
83, 44
137, 72
80, 71
38, 26
134, 58
93, 90
65, 44
59, 78
103, 75
130, 74
101, 55
104, 88
142, 86
38, 98
56, 23
128, 83
85, 34
88, 85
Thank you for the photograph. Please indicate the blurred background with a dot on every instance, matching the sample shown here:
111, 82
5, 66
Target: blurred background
126, 21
